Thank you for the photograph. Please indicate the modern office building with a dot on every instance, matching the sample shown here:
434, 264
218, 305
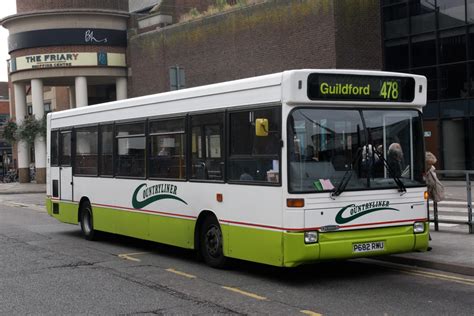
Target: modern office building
435, 38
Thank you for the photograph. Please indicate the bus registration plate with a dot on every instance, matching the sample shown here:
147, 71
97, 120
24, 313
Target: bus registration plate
368, 246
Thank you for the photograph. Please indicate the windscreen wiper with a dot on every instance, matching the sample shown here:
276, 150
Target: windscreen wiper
401, 187
346, 177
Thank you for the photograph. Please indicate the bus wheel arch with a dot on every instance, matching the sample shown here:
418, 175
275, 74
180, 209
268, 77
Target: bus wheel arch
208, 240
86, 220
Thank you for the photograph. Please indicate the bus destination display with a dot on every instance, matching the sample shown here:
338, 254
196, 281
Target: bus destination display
360, 88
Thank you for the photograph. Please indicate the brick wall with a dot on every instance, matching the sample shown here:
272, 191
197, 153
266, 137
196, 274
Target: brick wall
261, 39
4, 107
358, 34
23, 6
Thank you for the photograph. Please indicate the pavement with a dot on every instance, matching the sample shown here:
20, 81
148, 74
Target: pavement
452, 246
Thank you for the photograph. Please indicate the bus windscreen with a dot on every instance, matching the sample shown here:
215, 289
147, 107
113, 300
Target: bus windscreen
334, 87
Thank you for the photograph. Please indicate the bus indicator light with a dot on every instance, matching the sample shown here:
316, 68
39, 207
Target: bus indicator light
295, 202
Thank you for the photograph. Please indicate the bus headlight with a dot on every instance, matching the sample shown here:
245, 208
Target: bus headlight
419, 227
310, 237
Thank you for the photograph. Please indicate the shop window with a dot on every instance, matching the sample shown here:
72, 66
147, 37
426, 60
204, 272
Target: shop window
454, 145
167, 149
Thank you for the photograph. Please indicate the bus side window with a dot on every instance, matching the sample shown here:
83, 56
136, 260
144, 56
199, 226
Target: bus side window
65, 148
167, 149
54, 148
207, 146
252, 157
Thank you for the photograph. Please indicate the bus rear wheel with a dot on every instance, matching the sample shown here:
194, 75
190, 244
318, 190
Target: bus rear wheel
211, 243
86, 222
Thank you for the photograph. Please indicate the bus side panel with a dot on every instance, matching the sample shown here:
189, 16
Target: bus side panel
66, 212
105, 218
258, 245
133, 224
173, 231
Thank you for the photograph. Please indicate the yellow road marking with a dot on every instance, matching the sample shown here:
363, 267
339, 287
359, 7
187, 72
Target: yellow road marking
252, 295
181, 273
443, 277
128, 256
310, 313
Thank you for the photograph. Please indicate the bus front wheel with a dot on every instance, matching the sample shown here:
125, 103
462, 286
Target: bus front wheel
86, 221
211, 243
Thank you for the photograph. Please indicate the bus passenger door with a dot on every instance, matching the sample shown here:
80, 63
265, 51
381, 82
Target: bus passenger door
65, 166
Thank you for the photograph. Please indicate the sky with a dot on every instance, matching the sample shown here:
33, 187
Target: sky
7, 7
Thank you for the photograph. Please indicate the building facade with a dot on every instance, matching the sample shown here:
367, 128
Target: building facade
79, 44
109, 50
435, 38
5, 148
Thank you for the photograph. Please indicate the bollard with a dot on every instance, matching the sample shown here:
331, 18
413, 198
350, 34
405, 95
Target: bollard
435, 215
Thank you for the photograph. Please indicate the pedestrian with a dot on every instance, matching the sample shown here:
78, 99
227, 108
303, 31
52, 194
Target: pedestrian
395, 159
435, 187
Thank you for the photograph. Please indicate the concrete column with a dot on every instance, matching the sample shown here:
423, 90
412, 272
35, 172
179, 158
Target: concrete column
22, 146
40, 142
81, 92
121, 88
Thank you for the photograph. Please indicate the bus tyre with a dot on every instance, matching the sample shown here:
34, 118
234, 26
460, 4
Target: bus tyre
211, 243
86, 221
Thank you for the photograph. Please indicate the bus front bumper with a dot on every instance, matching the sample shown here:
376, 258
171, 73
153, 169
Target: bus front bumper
353, 244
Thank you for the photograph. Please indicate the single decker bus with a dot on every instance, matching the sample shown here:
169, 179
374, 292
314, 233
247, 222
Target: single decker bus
282, 169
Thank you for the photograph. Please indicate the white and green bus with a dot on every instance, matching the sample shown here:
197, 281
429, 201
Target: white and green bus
282, 169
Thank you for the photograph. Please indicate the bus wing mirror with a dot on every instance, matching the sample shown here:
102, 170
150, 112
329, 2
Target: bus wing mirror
261, 127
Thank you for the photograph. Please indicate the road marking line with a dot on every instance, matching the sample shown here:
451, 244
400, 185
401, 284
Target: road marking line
128, 256
181, 273
439, 276
311, 313
252, 295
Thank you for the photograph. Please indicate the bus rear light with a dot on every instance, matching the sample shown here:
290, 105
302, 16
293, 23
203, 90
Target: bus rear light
295, 202
219, 197
310, 237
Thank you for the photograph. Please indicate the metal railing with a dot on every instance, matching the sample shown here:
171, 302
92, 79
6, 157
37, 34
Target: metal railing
468, 174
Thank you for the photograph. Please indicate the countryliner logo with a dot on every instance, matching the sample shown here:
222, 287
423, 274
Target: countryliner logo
145, 195
353, 211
